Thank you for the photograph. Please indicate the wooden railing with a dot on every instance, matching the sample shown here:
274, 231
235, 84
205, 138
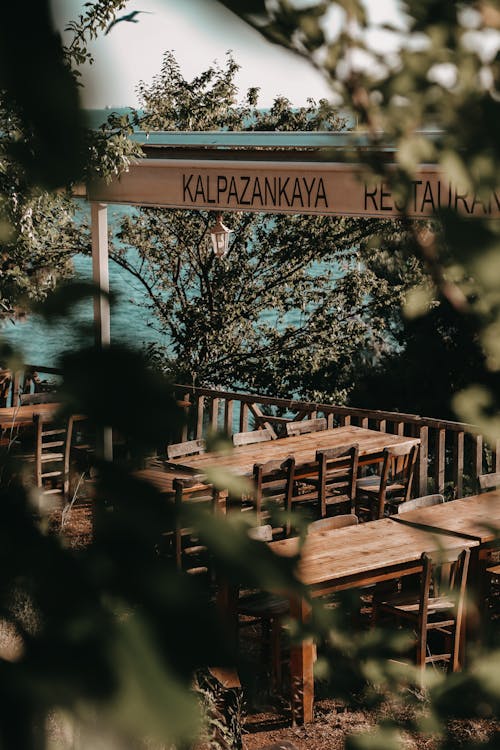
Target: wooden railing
452, 455
29, 378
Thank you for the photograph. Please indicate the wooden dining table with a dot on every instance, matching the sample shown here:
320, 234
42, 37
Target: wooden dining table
345, 558
242, 459
476, 517
21, 416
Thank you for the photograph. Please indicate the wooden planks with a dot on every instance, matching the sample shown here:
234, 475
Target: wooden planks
302, 447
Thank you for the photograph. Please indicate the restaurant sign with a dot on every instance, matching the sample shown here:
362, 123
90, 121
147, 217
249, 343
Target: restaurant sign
336, 189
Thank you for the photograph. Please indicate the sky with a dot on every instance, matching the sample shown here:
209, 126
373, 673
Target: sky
199, 31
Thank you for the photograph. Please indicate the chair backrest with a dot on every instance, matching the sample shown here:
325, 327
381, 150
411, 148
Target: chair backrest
398, 469
337, 473
261, 533
305, 426
420, 502
254, 436
52, 455
273, 485
487, 481
189, 448
187, 549
334, 522
444, 572
49, 397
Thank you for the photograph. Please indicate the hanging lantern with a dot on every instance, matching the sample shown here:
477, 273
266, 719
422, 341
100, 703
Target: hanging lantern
220, 238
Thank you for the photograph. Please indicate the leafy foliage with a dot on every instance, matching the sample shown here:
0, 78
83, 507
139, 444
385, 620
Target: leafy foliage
113, 629
298, 304
443, 74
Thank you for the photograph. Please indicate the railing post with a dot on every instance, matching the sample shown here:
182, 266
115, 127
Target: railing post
440, 465
244, 417
423, 458
458, 463
381, 425
228, 416
16, 382
496, 457
345, 420
200, 407
185, 426
478, 456
214, 414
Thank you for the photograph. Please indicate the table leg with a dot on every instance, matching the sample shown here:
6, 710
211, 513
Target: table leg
301, 668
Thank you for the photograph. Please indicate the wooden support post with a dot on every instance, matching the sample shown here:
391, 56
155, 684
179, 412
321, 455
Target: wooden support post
102, 325
345, 420
382, 425
363, 422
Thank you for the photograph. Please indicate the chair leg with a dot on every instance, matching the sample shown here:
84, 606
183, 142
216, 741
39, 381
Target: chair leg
277, 676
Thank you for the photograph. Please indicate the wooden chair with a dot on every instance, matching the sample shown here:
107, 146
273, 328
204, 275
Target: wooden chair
191, 556
420, 502
273, 486
254, 436
268, 609
337, 475
334, 522
435, 610
5, 384
392, 486
489, 481
305, 426
492, 593
52, 456
189, 448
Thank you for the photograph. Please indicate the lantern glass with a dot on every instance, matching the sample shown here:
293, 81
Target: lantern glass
220, 238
